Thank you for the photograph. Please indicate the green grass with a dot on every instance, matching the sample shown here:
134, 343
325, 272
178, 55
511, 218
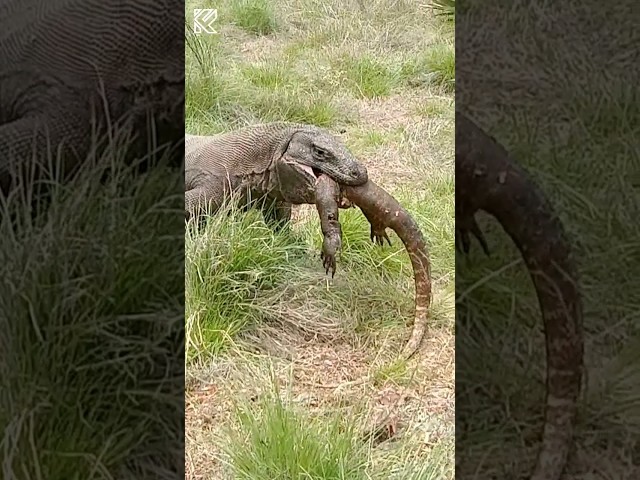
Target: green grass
434, 108
434, 66
258, 299
227, 265
578, 141
276, 440
270, 76
395, 371
441, 62
368, 77
254, 16
237, 269
445, 8
86, 327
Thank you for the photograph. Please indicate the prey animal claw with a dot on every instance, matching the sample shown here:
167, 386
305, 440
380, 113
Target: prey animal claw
329, 263
378, 236
464, 227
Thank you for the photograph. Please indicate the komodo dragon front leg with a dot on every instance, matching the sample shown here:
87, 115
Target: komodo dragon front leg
487, 179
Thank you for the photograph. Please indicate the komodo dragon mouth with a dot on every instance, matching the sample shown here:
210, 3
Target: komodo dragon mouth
316, 172
343, 201
311, 171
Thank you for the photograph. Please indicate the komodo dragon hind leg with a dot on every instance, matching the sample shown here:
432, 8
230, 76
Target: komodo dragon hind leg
277, 214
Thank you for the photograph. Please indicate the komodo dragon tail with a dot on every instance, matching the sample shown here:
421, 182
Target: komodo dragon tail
487, 179
382, 211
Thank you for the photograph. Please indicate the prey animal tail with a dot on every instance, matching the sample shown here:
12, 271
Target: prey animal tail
487, 179
382, 211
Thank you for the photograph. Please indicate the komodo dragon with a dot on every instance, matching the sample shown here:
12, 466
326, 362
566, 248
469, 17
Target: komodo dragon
304, 185
69, 68
247, 161
487, 179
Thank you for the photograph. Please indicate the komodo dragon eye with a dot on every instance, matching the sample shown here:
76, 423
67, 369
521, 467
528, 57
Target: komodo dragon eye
319, 152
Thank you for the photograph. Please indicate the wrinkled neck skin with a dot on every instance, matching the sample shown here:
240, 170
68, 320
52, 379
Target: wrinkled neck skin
292, 182
271, 144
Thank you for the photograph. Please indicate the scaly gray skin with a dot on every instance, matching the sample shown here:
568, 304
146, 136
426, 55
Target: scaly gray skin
487, 179
68, 67
245, 161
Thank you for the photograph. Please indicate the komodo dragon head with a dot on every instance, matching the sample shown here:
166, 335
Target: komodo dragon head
322, 152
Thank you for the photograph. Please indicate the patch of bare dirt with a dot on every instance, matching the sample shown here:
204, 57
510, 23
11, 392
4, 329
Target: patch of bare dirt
253, 48
205, 411
324, 377
394, 163
387, 168
257, 49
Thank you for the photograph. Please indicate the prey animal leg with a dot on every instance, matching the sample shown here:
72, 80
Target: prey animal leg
466, 225
378, 231
327, 203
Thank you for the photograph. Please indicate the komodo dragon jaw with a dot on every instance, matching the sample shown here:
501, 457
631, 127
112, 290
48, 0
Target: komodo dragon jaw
293, 182
325, 153
487, 179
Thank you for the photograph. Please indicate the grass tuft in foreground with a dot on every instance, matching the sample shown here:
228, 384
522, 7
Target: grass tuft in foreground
254, 16
277, 440
90, 312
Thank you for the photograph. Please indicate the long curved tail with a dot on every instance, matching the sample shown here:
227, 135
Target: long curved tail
382, 211
487, 179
